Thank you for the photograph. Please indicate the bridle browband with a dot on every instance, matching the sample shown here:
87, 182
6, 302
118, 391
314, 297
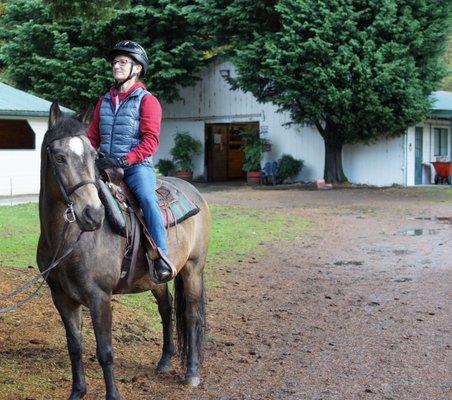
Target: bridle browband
69, 214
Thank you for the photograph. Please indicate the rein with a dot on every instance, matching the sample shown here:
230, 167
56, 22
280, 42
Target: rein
44, 274
69, 217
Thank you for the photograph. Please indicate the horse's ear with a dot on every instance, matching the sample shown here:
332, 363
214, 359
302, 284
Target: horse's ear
54, 114
86, 116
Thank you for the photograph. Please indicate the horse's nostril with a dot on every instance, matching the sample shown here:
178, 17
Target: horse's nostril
93, 215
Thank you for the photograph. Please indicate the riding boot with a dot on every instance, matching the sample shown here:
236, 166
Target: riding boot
162, 270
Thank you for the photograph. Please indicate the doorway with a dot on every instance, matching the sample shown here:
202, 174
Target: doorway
224, 154
418, 150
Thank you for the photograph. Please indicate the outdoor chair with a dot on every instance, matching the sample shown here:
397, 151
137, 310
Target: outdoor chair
270, 173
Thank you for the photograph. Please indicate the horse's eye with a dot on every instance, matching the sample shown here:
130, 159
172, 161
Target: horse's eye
59, 159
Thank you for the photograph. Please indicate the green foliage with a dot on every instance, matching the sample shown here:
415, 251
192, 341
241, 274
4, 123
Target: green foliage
64, 59
185, 147
93, 10
165, 166
447, 82
355, 70
288, 167
252, 149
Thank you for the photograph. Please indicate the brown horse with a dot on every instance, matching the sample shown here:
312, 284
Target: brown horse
73, 228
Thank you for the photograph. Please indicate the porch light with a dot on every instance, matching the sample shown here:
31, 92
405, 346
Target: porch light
225, 73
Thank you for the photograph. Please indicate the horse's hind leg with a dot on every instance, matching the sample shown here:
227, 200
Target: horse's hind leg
164, 302
101, 316
190, 315
71, 315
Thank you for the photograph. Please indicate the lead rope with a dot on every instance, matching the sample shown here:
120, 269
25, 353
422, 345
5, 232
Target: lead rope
44, 274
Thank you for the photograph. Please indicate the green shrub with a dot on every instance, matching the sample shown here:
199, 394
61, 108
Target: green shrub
252, 148
289, 167
185, 147
165, 166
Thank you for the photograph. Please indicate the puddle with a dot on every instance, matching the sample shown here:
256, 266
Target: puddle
417, 232
446, 220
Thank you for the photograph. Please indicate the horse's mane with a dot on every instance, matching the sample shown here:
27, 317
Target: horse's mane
63, 128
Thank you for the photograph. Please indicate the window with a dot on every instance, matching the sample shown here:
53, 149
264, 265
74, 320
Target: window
16, 135
440, 142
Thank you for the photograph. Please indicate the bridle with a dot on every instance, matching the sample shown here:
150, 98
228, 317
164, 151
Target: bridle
69, 214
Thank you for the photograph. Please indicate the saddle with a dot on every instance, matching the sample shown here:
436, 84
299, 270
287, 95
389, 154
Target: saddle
126, 219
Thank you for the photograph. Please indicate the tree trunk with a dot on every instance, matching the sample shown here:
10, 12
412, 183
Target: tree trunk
333, 172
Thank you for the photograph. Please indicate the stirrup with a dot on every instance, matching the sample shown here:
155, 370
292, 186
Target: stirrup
153, 274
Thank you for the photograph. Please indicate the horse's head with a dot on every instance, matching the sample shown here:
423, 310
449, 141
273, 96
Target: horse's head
67, 152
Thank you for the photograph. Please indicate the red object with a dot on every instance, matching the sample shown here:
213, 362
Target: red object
185, 175
150, 121
253, 178
443, 169
443, 172
321, 185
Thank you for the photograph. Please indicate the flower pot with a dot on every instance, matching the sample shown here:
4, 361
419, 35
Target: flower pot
185, 175
253, 178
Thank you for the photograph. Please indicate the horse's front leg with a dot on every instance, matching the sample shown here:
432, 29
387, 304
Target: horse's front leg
71, 315
100, 310
164, 302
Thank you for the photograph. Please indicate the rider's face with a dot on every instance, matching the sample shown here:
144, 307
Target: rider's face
121, 67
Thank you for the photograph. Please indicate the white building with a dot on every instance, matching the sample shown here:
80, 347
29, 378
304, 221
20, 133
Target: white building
23, 123
214, 114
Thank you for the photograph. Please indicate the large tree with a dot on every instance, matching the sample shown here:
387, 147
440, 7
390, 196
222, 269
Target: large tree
59, 53
355, 69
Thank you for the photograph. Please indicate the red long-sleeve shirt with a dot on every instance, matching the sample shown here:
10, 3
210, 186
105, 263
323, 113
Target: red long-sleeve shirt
150, 122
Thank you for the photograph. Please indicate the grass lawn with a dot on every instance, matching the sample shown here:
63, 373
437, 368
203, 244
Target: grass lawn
237, 233
19, 232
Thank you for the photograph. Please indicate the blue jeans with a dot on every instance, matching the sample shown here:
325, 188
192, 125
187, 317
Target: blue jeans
141, 180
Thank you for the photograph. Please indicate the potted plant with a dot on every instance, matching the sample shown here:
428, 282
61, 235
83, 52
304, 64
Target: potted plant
185, 147
252, 149
165, 167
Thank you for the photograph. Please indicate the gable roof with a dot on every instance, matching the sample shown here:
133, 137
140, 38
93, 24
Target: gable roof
15, 102
442, 104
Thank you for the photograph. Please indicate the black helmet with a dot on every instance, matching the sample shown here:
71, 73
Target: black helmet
133, 50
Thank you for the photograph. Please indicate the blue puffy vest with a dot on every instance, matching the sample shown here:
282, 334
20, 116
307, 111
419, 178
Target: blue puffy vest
120, 131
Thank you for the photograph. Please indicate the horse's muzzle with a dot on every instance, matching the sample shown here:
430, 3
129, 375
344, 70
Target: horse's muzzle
91, 218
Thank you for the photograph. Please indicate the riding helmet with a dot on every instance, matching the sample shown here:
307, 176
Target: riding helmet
133, 50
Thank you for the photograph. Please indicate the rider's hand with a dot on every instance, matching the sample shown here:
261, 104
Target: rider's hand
107, 162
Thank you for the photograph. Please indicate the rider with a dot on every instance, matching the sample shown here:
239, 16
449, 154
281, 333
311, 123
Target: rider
125, 129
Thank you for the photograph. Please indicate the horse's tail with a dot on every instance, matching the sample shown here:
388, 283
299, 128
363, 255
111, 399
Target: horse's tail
199, 319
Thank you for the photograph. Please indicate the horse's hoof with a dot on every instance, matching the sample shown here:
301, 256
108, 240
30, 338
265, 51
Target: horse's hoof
163, 368
77, 395
192, 381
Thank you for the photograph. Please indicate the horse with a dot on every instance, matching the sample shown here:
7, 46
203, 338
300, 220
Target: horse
80, 257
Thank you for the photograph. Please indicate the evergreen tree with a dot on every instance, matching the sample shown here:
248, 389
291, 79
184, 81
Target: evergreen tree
62, 56
356, 69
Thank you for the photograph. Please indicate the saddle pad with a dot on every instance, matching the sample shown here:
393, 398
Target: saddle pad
174, 204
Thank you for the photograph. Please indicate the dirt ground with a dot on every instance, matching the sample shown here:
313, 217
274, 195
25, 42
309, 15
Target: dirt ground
351, 309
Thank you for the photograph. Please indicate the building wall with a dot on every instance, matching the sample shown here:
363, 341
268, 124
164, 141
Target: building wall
212, 101
20, 169
428, 171
378, 164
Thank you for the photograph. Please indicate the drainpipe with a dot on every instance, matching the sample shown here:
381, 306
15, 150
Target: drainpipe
405, 159
450, 141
